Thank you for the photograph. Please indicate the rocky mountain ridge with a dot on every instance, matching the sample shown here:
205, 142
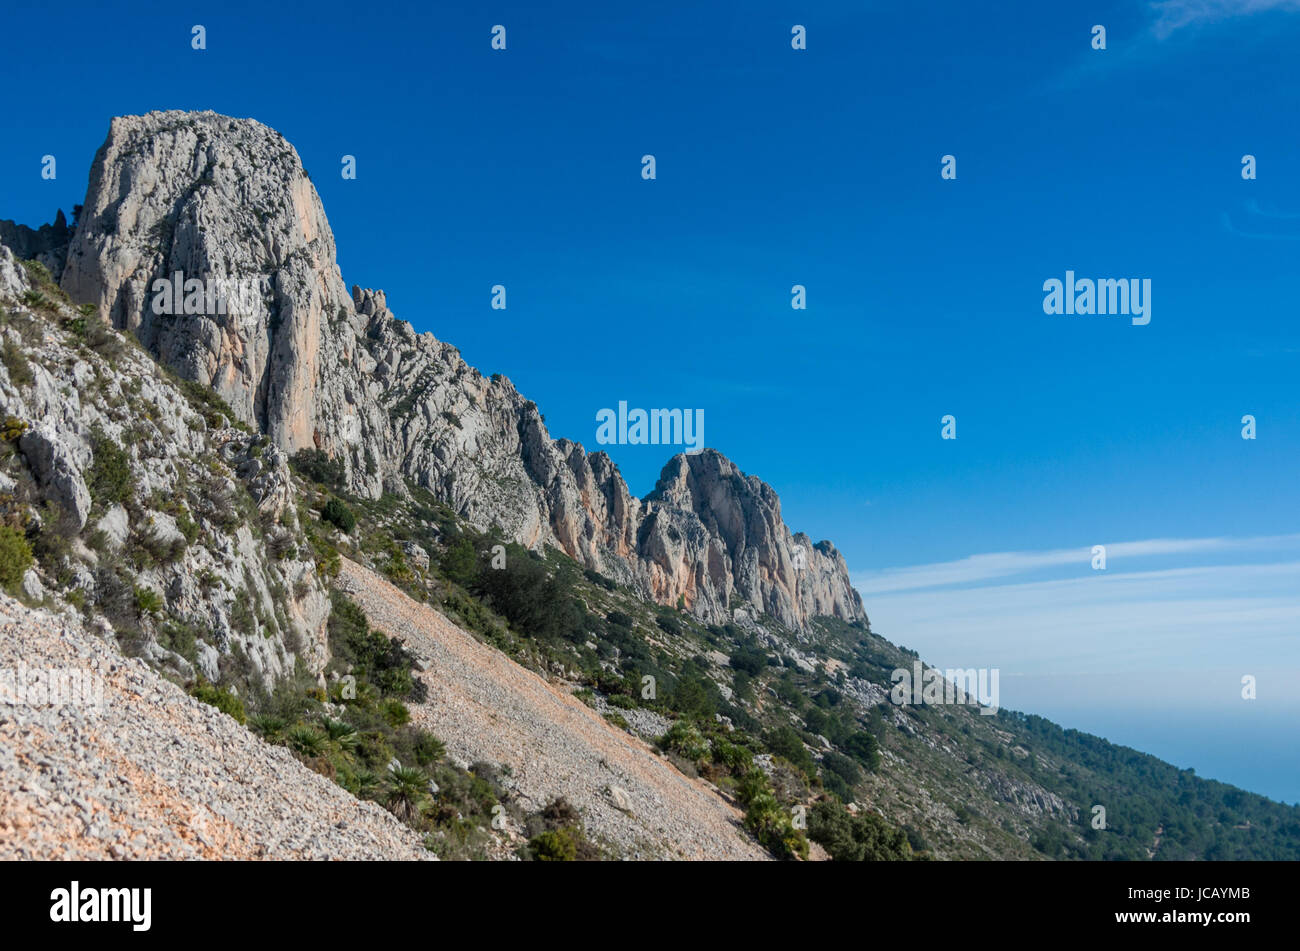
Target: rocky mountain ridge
216, 199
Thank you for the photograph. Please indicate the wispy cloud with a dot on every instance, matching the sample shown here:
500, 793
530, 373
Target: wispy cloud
998, 565
1265, 223
1165, 623
1255, 208
1174, 15
1146, 47
1173, 621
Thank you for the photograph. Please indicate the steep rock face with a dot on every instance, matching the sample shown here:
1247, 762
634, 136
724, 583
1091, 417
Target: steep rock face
177, 534
314, 367
227, 201
747, 548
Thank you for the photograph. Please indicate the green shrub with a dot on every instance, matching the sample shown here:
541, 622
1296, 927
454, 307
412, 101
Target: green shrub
595, 577
148, 601
306, 740
110, 472
397, 568
460, 562
406, 791
383, 661
15, 556
752, 660
222, 699
841, 766
339, 515
317, 466
342, 734
395, 713
554, 845
15, 361
12, 429
268, 726
427, 748
105, 341
685, 739
669, 624
862, 838
736, 758
694, 696
188, 527
862, 746
534, 601
771, 824
39, 276
784, 741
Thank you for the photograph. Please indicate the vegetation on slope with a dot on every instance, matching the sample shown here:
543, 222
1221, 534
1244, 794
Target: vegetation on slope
800, 730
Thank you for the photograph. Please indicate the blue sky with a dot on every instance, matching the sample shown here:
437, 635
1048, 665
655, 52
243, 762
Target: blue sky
821, 167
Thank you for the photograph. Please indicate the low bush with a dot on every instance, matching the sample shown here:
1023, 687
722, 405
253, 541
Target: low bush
339, 515
15, 557
222, 699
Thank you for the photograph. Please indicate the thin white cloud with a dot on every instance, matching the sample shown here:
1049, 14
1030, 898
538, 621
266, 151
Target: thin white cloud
1174, 15
1106, 622
1234, 230
1147, 49
1255, 208
995, 565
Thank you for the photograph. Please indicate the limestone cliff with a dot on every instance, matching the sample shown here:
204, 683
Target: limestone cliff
215, 199
145, 507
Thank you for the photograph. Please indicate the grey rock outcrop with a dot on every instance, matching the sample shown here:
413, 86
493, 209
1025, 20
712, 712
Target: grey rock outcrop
58, 461
173, 554
315, 367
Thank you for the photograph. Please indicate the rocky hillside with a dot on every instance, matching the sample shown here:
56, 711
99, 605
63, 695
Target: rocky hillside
149, 507
313, 366
485, 707
139, 770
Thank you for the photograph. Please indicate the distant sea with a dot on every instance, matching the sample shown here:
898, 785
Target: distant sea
1251, 744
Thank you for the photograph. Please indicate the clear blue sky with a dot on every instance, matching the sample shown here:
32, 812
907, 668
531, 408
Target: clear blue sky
821, 168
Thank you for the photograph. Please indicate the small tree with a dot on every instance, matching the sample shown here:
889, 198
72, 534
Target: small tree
339, 515
863, 747
460, 561
15, 556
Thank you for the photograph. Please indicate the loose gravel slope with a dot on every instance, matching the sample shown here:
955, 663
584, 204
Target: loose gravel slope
151, 773
484, 706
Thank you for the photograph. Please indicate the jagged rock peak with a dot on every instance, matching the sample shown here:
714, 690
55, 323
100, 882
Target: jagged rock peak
176, 197
369, 303
47, 244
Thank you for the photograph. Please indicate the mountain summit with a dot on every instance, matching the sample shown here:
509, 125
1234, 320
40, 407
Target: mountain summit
196, 196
